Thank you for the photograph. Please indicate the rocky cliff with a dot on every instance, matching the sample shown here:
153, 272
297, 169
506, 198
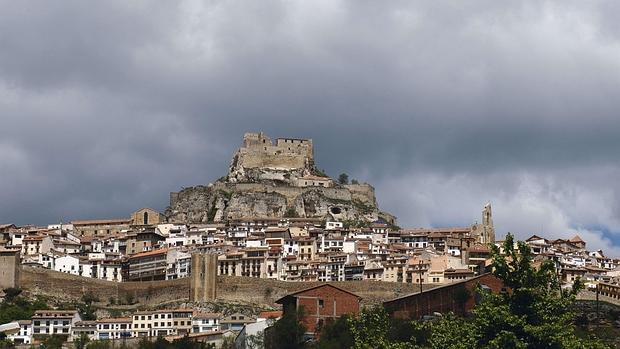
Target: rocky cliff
274, 180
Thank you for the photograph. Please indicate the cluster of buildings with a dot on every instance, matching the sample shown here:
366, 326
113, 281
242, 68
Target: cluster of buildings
170, 324
146, 247
321, 304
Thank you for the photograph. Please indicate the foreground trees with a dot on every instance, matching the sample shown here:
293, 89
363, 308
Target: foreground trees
534, 313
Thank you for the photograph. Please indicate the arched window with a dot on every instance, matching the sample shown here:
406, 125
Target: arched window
146, 218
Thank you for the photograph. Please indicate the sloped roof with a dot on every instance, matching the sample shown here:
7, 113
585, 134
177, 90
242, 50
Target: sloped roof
576, 238
281, 300
149, 253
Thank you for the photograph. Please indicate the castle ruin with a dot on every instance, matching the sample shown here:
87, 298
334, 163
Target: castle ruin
268, 179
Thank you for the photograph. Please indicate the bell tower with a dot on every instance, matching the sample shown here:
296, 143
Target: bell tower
488, 232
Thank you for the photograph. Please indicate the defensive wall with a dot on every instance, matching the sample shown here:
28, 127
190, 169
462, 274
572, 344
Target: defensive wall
229, 288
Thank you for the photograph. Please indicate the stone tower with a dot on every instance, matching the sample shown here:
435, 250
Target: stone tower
203, 283
488, 231
9, 268
484, 232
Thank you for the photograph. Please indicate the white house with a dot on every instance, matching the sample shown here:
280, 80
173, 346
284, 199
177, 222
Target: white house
206, 322
67, 264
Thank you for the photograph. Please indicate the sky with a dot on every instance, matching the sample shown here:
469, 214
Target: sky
443, 106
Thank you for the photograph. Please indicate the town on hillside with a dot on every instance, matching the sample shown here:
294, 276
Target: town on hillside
274, 216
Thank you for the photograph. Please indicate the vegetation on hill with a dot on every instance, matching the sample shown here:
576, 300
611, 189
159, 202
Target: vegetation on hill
17, 307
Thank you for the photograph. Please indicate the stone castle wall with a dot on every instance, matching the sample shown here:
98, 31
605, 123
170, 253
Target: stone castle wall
272, 161
263, 292
258, 151
364, 193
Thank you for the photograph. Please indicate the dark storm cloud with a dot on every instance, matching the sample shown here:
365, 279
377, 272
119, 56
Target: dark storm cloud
107, 107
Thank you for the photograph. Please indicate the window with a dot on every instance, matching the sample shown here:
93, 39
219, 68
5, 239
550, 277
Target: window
321, 303
146, 218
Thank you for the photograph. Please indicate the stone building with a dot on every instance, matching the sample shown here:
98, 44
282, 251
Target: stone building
147, 216
203, 282
148, 266
484, 232
100, 227
9, 268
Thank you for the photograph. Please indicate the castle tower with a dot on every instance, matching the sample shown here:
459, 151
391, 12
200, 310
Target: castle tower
203, 283
10, 266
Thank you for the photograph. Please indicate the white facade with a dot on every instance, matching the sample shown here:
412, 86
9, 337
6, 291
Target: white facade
114, 328
67, 264
206, 323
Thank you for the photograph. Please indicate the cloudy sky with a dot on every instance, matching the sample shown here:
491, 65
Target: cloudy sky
106, 107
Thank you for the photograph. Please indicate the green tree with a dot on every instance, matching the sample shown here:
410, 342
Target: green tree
355, 181
52, 342
371, 329
288, 332
335, 334
6, 343
11, 293
98, 345
343, 178
89, 298
256, 341
17, 307
533, 313
81, 341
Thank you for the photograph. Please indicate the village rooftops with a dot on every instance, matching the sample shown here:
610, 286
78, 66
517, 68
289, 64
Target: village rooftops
270, 314
436, 230
54, 314
149, 253
33, 238
576, 239
207, 316
102, 222
115, 320
315, 178
283, 299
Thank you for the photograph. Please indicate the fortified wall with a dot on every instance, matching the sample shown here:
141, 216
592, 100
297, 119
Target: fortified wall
263, 292
259, 158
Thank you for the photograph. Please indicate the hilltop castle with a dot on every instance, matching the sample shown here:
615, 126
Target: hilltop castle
268, 179
260, 159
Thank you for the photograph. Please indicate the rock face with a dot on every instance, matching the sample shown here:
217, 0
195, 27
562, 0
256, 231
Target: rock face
274, 180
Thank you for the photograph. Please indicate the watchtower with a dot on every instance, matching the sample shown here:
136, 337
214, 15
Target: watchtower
203, 283
9, 268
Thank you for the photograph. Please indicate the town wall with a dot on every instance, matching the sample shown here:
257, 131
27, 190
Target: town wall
263, 292
364, 193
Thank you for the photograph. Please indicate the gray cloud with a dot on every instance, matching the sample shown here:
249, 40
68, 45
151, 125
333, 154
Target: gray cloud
107, 107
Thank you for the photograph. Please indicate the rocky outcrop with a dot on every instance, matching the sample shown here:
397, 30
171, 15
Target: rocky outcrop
224, 201
264, 182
